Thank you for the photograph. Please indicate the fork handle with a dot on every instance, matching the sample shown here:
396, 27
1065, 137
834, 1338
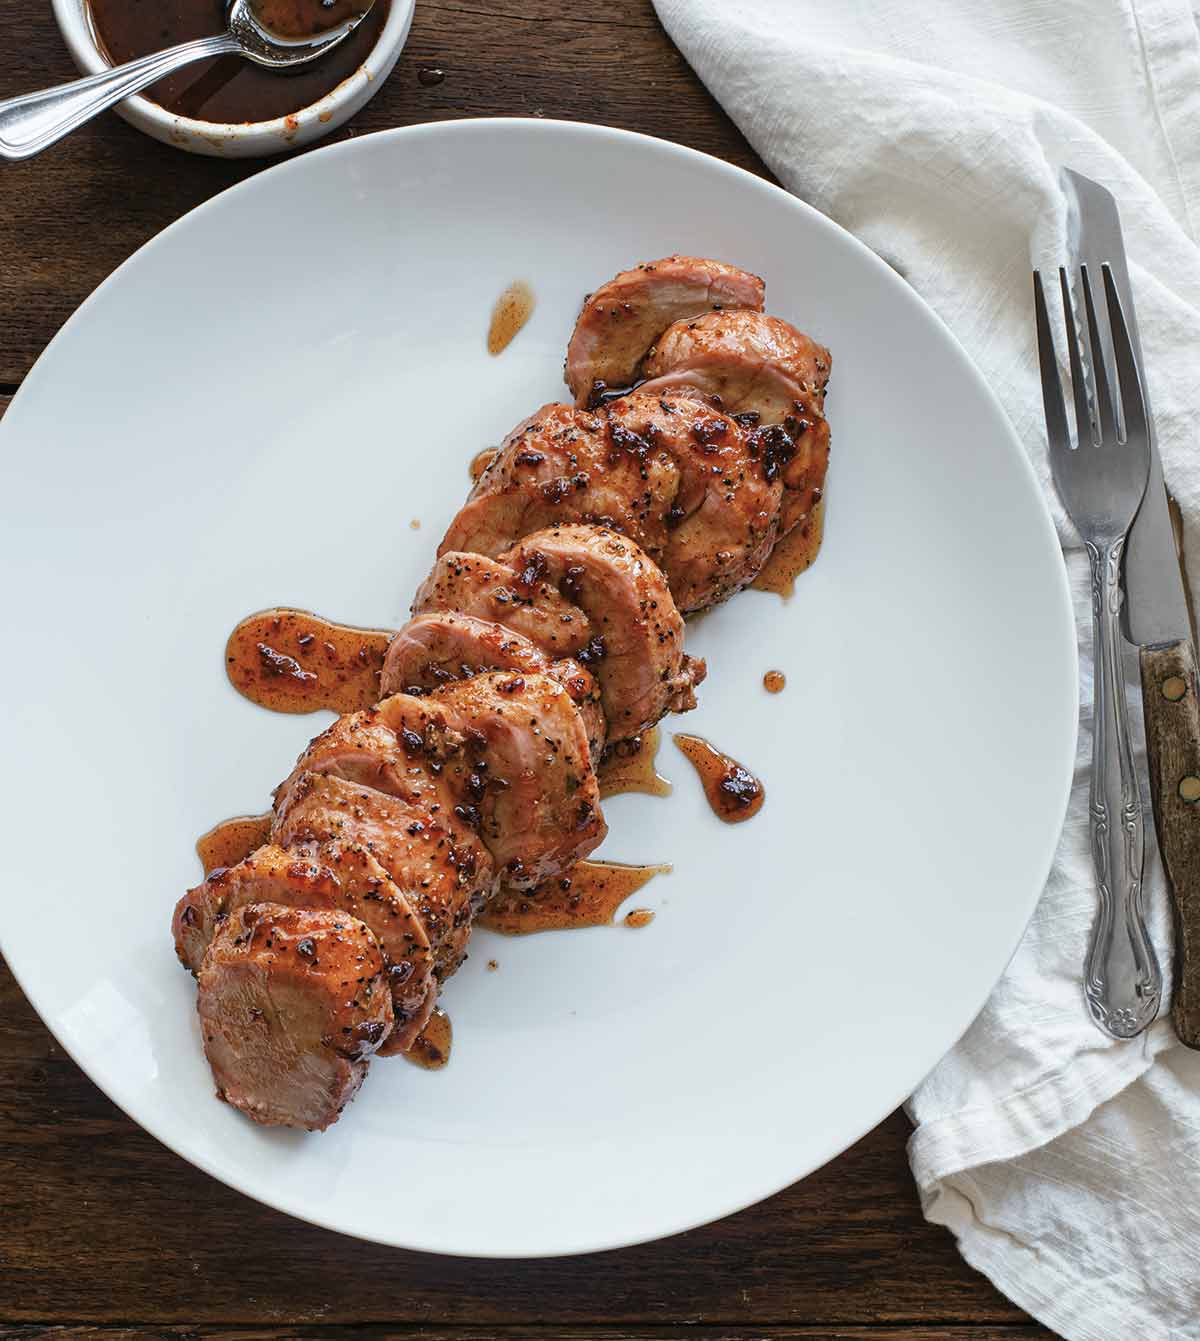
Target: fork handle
1172, 716
1122, 983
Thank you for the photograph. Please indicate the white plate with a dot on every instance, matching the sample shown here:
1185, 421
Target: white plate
249, 412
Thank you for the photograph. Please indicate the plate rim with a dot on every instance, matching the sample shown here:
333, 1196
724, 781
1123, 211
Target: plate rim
551, 127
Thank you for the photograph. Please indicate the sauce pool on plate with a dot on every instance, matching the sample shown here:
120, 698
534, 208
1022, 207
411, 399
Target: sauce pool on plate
792, 555
232, 840
513, 309
230, 88
631, 766
733, 792
588, 895
294, 661
431, 1047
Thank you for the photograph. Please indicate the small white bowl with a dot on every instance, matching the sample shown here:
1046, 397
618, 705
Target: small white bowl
250, 138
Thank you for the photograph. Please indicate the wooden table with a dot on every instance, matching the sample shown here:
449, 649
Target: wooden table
106, 1234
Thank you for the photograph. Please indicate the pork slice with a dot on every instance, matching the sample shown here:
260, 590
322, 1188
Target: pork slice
527, 773
623, 318
760, 367
438, 648
637, 654
436, 861
292, 1004
727, 510
472, 584
567, 465
341, 877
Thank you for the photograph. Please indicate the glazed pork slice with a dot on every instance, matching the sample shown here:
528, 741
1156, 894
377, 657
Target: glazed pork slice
442, 870
527, 773
337, 878
637, 654
438, 648
470, 584
727, 511
397, 746
503, 755
292, 1003
764, 370
567, 465
623, 318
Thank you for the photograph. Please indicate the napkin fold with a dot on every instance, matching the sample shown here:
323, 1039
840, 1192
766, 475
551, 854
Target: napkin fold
1067, 1165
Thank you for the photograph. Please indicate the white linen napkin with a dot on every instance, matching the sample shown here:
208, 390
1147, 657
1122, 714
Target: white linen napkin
1067, 1165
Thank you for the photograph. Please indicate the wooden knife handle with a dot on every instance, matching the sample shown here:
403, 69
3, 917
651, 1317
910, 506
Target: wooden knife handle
1172, 714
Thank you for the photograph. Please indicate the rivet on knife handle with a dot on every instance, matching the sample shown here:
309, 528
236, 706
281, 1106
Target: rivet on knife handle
1172, 716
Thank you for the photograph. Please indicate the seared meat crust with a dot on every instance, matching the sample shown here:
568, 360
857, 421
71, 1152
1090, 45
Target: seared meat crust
747, 363
292, 1003
567, 465
435, 649
637, 653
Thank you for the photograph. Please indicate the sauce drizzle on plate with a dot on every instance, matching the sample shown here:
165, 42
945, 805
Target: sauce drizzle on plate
513, 309
795, 553
632, 766
734, 793
295, 661
431, 1047
587, 896
232, 840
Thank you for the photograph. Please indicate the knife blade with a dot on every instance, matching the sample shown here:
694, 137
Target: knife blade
1155, 618
1155, 609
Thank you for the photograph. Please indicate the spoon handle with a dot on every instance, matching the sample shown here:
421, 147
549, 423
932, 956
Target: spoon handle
34, 121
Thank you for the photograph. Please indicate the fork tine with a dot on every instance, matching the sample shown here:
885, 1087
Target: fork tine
1052, 393
1104, 400
1133, 402
1083, 413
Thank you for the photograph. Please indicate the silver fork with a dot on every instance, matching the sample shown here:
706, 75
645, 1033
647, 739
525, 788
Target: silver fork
1101, 482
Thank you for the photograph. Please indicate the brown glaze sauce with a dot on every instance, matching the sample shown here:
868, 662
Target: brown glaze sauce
774, 682
480, 462
631, 766
733, 792
232, 840
513, 309
792, 555
294, 661
231, 88
431, 1047
305, 18
587, 896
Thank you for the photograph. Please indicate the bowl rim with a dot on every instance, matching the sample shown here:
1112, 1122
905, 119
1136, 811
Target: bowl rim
75, 24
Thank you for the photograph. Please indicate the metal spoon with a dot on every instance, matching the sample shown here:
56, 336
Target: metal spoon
34, 121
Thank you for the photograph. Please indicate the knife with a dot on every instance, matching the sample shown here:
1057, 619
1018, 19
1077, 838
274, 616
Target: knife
1155, 619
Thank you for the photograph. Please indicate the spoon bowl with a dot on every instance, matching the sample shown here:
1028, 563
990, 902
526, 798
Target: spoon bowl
277, 50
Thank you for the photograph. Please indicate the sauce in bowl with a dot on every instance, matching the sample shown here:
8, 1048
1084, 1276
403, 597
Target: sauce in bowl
231, 89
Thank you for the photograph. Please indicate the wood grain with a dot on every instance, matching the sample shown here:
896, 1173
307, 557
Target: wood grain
106, 1235
533, 1332
1172, 715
